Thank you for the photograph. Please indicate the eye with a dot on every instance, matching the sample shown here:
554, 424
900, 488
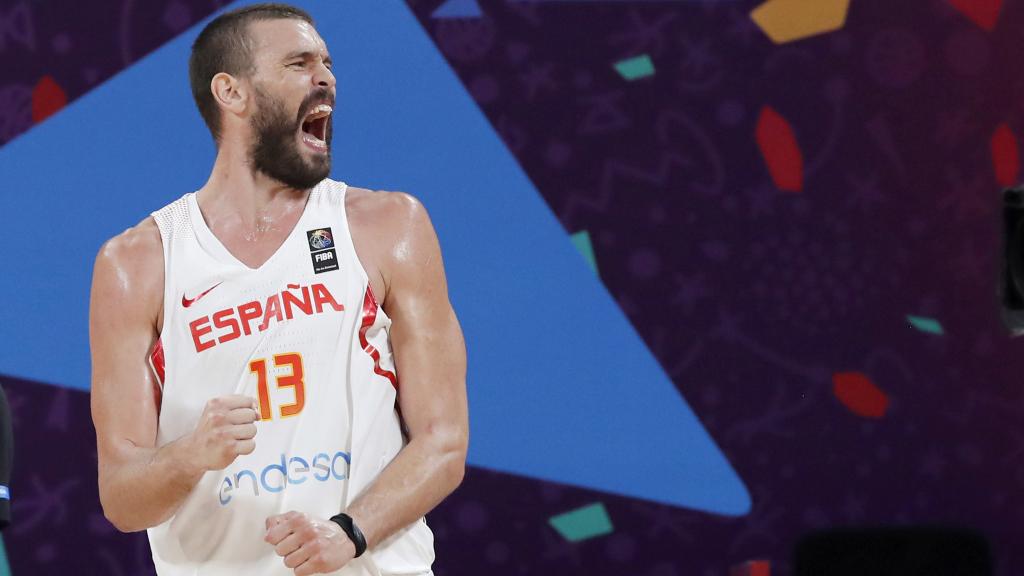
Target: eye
297, 64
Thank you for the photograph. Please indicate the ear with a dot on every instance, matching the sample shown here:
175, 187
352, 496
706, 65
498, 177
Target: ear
230, 93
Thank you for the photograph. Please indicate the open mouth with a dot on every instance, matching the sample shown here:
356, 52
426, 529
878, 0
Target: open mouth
314, 127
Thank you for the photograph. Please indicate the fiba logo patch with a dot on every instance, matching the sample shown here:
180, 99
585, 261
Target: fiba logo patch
321, 248
320, 239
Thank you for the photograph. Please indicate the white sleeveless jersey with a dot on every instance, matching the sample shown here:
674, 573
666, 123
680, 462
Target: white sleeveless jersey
304, 336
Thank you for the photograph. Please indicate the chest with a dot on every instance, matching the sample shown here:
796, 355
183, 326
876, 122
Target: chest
254, 245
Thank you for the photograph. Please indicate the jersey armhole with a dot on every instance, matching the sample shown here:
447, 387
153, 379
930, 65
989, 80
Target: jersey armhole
155, 358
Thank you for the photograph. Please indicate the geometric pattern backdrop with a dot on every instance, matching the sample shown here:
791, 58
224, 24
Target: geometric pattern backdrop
828, 308
561, 389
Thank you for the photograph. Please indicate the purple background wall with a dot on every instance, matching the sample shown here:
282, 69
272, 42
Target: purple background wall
752, 298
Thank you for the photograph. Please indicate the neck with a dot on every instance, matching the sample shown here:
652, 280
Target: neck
237, 190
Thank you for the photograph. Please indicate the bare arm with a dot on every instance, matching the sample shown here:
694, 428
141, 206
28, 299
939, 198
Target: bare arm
430, 357
141, 485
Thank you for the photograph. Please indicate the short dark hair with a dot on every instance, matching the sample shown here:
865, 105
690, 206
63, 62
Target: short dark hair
226, 46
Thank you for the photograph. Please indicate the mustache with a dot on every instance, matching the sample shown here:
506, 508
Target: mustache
315, 98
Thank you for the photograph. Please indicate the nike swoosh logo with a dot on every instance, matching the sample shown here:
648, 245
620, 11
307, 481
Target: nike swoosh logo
186, 302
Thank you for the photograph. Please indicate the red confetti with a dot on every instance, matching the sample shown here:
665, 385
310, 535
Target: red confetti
752, 568
780, 150
47, 98
1005, 156
860, 395
984, 13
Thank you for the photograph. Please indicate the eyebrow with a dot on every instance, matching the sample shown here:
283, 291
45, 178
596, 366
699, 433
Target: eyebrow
307, 55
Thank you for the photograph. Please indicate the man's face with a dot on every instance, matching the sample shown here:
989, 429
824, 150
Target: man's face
294, 93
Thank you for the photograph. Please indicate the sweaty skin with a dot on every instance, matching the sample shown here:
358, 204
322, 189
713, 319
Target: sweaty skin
141, 485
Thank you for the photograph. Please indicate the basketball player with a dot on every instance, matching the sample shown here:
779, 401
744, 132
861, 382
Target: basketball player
278, 374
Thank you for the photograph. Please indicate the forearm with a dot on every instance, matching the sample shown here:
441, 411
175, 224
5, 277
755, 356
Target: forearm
423, 474
147, 485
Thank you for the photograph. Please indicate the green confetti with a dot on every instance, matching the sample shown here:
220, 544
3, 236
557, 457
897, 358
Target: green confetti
583, 523
929, 325
635, 68
581, 240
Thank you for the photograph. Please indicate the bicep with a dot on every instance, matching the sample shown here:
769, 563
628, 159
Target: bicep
122, 332
430, 352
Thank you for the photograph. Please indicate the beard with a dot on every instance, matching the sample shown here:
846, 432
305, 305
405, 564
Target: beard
275, 149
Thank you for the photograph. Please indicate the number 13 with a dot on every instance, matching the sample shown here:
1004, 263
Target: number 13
294, 380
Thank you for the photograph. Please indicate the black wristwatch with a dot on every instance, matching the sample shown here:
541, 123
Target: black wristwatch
353, 531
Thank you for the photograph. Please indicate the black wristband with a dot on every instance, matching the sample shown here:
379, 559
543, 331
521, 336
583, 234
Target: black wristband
353, 531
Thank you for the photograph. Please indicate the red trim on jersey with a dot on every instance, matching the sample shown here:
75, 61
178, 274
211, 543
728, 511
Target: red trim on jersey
156, 362
369, 317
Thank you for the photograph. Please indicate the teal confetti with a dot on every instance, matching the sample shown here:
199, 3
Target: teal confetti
929, 325
5, 569
581, 240
635, 68
583, 523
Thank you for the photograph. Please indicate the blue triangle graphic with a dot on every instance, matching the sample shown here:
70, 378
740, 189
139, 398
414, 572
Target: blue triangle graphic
458, 9
561, 386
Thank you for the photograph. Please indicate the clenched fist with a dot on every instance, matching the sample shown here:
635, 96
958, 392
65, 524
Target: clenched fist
226, 430
309, 545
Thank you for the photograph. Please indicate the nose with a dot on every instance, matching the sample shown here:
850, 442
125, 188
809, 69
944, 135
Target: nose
324, 77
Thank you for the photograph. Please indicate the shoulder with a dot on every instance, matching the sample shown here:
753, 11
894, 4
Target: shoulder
396, 222
393, 237
380, 207
131, 265
137, 247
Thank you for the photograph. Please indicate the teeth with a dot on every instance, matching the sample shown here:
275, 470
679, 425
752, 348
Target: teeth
314, 140
320, 111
